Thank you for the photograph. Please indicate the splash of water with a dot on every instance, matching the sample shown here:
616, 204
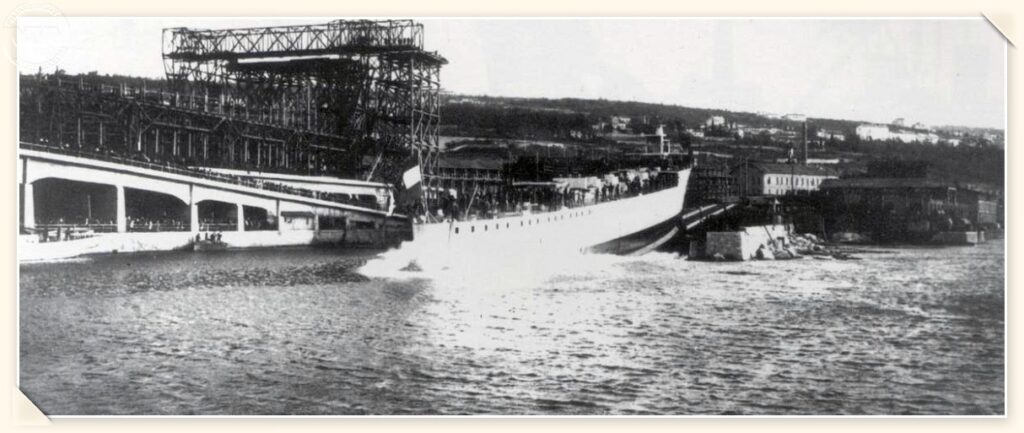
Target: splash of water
496, 269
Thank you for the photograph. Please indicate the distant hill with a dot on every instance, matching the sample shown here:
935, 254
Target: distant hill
500, 117
543, 118
572, 120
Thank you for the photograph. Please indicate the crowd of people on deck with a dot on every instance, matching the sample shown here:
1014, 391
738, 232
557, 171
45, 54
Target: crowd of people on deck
141, 224
539, 196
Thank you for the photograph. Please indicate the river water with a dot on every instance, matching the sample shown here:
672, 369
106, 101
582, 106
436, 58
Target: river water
320, 331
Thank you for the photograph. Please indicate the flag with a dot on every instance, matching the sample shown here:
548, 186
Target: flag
411, 177
412, 183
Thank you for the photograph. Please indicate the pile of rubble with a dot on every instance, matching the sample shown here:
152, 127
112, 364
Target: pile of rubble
797, 246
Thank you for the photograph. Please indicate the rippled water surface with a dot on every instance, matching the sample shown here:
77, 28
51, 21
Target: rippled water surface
307, 331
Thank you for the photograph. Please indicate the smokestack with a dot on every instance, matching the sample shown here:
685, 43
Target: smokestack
805, 143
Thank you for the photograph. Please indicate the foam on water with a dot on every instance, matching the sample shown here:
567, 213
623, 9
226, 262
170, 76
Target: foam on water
497, 269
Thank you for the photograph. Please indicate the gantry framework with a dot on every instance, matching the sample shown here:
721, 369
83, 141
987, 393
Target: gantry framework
370, 82
352, 98
150, 123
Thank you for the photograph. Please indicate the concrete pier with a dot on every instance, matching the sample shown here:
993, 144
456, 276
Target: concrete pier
743, 244
959, 238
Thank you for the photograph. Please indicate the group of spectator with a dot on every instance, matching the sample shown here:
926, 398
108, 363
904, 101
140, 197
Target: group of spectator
539, 196
141, 224
61, 229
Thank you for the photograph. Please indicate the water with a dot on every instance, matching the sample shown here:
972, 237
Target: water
304, 331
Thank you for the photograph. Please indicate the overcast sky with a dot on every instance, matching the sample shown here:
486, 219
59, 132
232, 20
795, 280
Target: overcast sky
931, 71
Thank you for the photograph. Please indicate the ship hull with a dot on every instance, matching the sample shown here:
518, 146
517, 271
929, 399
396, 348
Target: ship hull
640, 242
620, 226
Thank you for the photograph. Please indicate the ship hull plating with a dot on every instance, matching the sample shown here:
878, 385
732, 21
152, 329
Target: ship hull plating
619, 226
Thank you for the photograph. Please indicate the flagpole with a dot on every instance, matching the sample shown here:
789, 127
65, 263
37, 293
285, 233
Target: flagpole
423, 183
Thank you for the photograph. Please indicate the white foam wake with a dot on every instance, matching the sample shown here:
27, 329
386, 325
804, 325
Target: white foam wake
504, 268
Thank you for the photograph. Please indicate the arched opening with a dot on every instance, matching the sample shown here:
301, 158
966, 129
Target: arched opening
257, 219
148, 211
217, 216
67, 209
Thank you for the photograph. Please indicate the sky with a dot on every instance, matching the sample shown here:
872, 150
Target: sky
933, 71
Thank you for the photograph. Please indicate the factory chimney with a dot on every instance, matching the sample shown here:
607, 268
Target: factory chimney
805, 144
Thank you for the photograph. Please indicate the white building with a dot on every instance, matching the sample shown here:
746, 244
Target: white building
826, 134
899, 122
620, 123
766, 178
715, 121
795, 117
882, 133
873, 132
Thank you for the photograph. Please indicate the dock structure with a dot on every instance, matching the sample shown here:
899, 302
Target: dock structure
74, 204
370, 83
248, 124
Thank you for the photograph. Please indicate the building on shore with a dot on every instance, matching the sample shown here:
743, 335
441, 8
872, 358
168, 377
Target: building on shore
814, 161
908, 208
461, 173
871, 132
770, 178
982, 201
826, 134
893, 194
710, 183
694, 132
715, 121
620, 123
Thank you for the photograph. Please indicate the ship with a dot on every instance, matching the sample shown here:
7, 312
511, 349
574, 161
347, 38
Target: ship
627, 226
